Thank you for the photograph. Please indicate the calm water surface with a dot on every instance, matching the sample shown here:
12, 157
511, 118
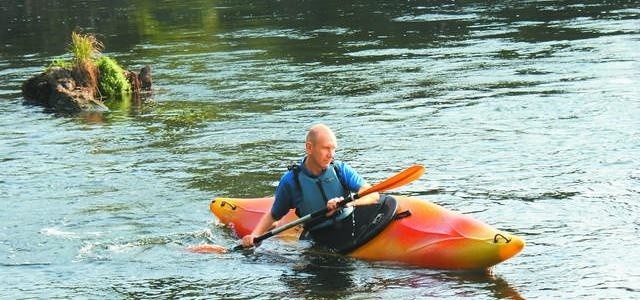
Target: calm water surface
525, 113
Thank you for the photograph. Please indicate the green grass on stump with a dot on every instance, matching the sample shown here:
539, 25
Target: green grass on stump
113, 83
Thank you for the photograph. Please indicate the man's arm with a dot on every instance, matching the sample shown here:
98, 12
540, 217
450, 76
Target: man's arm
354, 180
372, 198
368, 199
266, 223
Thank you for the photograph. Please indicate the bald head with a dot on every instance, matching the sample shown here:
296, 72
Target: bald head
320, 131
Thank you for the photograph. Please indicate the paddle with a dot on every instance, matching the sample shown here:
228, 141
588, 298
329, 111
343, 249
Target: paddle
410, 174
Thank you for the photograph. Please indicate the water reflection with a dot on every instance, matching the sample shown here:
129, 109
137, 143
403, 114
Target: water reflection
33, 27
319, 276
494, 283
302, 30
168, 287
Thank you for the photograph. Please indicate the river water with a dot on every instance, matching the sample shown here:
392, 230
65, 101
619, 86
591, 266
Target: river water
526, 114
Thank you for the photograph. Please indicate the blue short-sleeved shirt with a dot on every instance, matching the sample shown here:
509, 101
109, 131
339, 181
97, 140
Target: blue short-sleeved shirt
287, 192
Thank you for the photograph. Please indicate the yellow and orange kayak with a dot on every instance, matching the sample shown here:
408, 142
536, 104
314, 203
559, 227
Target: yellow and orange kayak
430, 236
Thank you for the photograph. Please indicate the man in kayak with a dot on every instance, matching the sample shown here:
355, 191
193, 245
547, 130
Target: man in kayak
317, 182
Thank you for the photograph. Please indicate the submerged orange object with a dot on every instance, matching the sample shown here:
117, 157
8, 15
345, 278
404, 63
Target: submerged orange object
431, 236
207, 248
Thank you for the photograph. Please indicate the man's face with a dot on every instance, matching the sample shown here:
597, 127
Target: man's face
323, 150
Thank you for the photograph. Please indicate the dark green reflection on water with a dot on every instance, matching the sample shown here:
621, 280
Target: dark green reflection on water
34, 27
303, 30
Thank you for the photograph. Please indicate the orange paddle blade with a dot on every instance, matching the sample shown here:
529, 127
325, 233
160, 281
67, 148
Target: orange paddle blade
410, 174
208, 248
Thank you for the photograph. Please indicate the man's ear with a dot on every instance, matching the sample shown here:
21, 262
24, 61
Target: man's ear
308, 146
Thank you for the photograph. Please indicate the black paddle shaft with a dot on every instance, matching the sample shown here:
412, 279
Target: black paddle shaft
310, 217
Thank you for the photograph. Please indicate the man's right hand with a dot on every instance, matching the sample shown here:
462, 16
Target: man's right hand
333, 205
247, 241
265, 224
